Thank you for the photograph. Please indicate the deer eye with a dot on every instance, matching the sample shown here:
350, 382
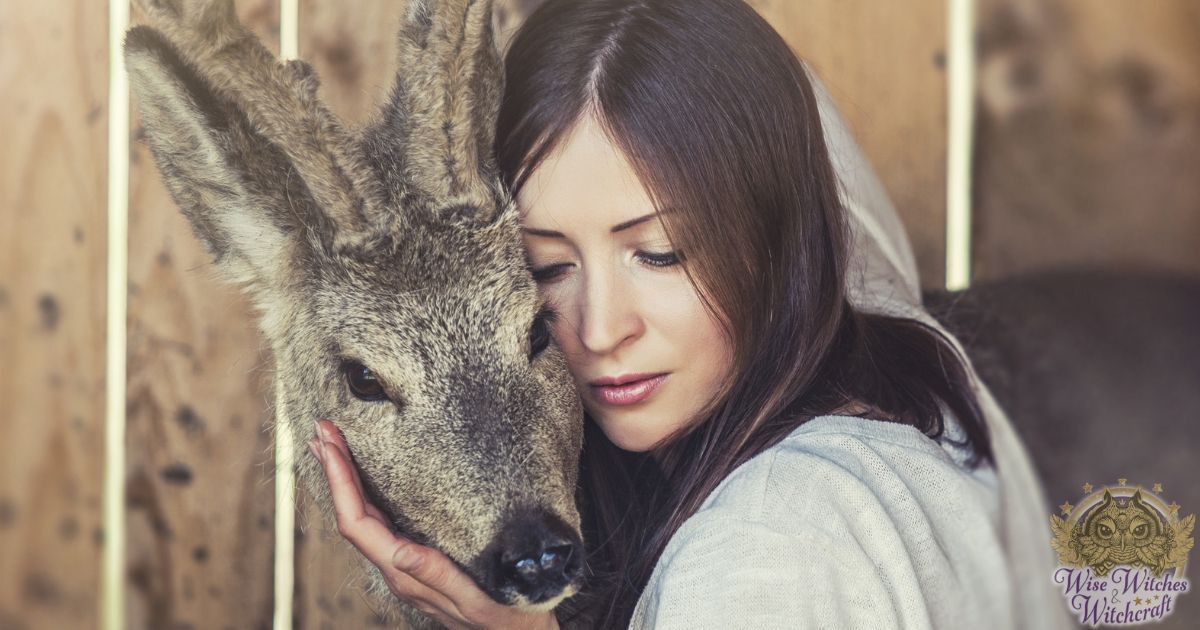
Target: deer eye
539, 332
362, 382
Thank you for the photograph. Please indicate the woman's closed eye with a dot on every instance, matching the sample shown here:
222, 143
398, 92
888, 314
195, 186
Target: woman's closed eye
665, 259
550, 272
649, 259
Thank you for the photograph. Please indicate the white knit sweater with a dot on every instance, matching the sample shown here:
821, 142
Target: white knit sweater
846, 523
853, 523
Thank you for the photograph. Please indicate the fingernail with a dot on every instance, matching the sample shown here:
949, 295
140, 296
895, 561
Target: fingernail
312, 448
322, 439
322, 433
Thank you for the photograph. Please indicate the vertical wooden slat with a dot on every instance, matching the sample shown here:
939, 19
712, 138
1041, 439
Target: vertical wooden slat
54, 78
883, 64
285, 469
199, 480
285, 518
112, 587
960, 54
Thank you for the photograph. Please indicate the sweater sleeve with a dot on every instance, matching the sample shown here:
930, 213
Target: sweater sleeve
732, 573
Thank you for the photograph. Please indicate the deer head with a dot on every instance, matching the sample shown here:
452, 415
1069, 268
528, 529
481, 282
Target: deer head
387, 270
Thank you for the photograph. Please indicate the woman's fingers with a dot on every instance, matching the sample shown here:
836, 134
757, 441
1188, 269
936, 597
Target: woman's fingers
422, 576
361, 523
363, 527
437, 572
314, 446
329, 434
472, 608
423, 598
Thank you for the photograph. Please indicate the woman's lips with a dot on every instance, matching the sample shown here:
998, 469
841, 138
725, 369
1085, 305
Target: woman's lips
628, 393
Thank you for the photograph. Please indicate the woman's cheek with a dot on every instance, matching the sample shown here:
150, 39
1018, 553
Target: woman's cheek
670, 297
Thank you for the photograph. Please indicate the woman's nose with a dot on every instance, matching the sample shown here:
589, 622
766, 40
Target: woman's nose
609, 317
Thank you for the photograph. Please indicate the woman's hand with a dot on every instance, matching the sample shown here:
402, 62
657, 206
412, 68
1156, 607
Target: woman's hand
421, 576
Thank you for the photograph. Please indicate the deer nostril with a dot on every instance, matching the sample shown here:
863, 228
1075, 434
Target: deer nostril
527, 567
545, 568
554, 558
536, 557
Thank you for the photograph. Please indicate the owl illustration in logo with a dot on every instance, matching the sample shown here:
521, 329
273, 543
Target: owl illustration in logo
1122, 530
1125, 532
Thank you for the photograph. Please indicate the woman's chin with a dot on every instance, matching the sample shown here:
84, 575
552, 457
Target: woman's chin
627, 435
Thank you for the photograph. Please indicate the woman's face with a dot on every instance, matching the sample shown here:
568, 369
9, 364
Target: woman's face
627, 313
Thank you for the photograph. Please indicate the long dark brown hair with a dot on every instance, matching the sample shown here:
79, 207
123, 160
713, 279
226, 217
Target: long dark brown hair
717, 117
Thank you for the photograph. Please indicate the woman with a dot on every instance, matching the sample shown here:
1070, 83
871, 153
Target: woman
777, 434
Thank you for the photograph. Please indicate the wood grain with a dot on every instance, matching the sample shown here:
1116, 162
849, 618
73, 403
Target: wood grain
1089, 136
883, 64
199, 466
54, 77
1089, 141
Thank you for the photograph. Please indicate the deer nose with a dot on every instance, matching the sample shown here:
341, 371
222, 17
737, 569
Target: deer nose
537, 558
539, 573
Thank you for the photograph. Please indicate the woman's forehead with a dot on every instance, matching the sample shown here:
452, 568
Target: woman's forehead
586, 177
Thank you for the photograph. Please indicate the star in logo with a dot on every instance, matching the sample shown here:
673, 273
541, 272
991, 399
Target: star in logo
1087, 488
1121, 481
1157, 488
1065, 507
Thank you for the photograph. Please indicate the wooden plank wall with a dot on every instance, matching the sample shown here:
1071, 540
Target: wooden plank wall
1089, 138
883, 63
53, 157
199, 459
1088, 143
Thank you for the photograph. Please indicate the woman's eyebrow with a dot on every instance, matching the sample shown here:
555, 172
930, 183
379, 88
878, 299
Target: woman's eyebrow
538, 232
616, 228
632, 222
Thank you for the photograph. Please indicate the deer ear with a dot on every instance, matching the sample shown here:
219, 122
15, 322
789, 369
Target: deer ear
235, 188
439, 125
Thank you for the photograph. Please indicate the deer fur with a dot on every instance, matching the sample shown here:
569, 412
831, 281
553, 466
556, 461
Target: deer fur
393, 246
